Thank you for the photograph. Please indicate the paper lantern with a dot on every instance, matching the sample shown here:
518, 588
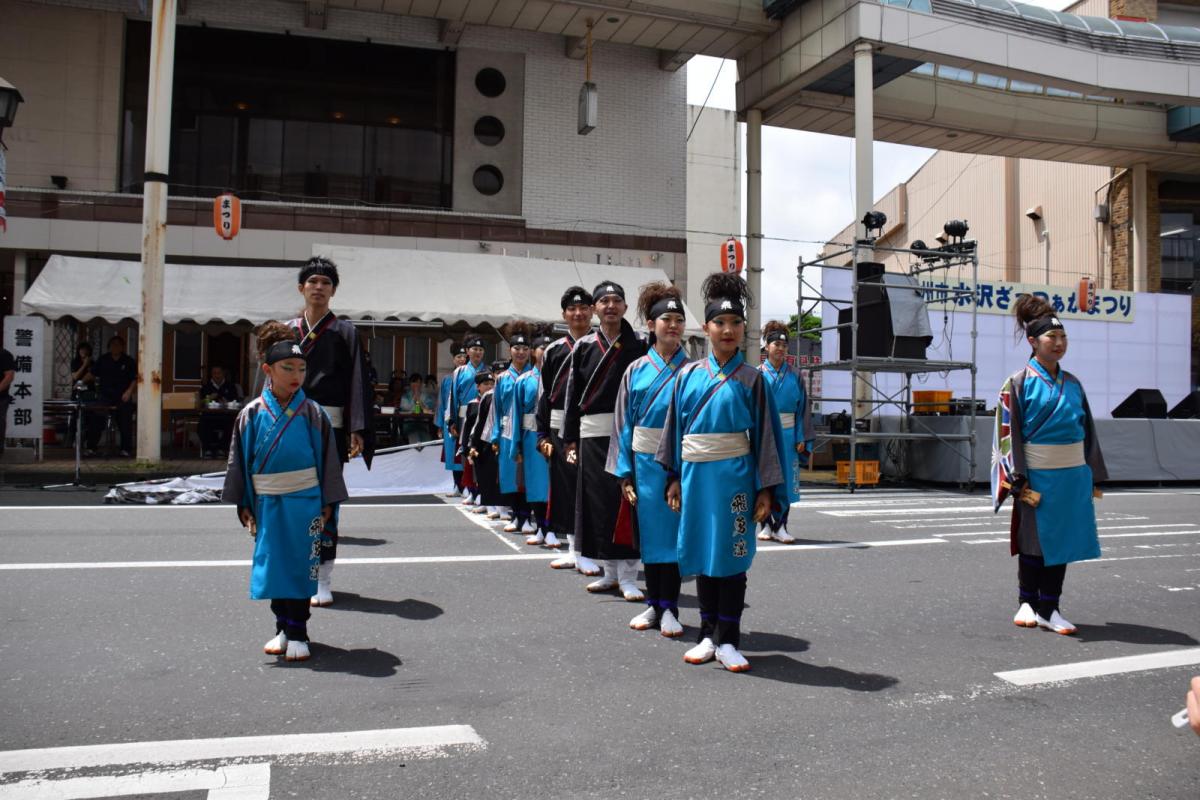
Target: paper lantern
227, 215
1087, 294
733, 256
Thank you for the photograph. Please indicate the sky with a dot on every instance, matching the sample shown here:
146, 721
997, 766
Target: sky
808, 181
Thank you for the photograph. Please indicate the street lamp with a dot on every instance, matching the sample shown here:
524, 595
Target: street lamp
10, 98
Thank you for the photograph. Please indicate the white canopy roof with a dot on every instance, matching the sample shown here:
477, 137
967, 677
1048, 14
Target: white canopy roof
402, 285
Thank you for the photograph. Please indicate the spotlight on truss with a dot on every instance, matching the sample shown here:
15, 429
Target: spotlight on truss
874, 221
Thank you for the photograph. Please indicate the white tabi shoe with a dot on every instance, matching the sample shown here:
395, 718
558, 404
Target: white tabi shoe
530, 526
731, 659
645, 620
764, 533
466, 501
701, 653
511, 527
782, 536
1056, 623
606, 583
1026, 617
569, 560
506, 513
465, 492
493, 513
552, 541
297, 651
478, 509
587, 566
536, 539
627, 571
324, 595
668, 626
277, 646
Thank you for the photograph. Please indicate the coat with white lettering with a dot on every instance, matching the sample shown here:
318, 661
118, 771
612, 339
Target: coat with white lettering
269, 440
716, 525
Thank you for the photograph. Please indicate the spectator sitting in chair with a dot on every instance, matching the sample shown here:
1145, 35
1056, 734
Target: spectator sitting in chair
214, 429
416, 401
116, 374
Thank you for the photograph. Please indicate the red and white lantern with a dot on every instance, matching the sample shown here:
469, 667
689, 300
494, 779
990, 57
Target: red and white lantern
1087, 294
733, 256
227, 215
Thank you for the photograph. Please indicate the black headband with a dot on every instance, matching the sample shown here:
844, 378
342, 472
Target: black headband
776, 336
724, 305
518, 340
1043, 325
458, 350
667, 304
281, 350
473, 341
542, 341
575, 297
482, 377
605, 289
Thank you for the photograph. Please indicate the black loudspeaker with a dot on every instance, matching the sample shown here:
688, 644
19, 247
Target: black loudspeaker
1142, 404
1187, 408
875, 339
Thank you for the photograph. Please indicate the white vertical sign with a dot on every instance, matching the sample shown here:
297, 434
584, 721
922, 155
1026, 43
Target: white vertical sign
23, 337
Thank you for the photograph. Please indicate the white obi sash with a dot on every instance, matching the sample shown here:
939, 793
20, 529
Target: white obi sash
595, 426
645, 440
557, 415
1054, 456
700, 447
285, 482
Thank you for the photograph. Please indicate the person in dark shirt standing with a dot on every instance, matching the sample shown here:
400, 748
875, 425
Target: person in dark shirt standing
116, 374
8, 371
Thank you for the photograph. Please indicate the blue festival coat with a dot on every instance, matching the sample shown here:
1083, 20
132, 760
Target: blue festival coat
642, 402
535, 470
787, 388
269, 439
462, 391
716, 526
1045, 410
504, 432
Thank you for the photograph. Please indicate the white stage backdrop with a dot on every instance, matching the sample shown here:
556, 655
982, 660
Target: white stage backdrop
1110, 358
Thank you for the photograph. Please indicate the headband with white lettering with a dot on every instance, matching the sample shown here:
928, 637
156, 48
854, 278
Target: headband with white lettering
1043, 325
281, 350
775, 336
606, 288
724, 305
575, 297
664, 306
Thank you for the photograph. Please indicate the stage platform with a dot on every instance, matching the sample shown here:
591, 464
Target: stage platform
1154, 450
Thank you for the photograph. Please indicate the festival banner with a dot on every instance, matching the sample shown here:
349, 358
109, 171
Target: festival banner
997, 297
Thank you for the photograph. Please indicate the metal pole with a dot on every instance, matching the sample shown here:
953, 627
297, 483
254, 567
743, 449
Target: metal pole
154, 231
1141, 254
754, 234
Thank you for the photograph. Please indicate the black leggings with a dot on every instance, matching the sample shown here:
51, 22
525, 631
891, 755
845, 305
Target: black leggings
778, 519
291, 617
538, 511
662, 587
1039, 585
721, 604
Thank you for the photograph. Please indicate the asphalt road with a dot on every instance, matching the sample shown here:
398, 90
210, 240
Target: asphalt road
873, 665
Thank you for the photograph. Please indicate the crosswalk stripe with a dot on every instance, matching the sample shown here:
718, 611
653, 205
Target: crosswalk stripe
1103, 666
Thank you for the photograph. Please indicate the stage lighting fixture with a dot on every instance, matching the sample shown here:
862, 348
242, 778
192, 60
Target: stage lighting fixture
874, 221
956, 228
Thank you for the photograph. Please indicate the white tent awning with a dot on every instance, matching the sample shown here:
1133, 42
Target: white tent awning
402, 285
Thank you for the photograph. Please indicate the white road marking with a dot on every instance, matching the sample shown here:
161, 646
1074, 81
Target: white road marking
210, 506
1103, 666
479, 520
848, 545
1102, 535
245, 563
233, 782
870, 512
364, 745
1141, 558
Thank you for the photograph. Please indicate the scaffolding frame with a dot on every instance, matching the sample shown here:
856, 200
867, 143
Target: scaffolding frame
956, 254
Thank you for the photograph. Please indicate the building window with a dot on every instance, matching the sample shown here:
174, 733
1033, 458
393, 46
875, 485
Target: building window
188, 355
416, 355
1180, 262
381, 350
294, 118
488, 180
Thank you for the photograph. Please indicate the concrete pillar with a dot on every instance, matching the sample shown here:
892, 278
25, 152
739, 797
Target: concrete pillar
154, 232
754, 234
864, 135
1139, 243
